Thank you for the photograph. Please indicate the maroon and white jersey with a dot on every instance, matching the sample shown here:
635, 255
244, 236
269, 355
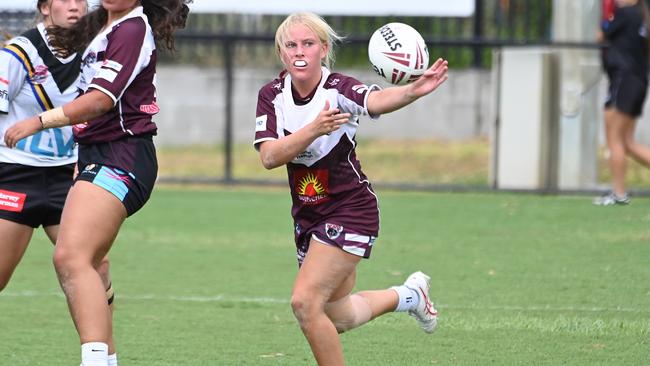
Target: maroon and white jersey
121, 63
326, 180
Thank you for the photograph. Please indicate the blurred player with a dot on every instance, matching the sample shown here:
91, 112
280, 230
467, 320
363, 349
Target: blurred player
117, 158
307, 119
36, 176
626, 64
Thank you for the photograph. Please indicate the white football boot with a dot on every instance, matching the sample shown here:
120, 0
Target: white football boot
424, 313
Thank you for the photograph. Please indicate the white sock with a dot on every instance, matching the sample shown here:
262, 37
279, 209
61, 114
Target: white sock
112, 359
94, 354
408, 298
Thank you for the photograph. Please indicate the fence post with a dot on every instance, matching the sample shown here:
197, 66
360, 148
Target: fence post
228, 134
478, 33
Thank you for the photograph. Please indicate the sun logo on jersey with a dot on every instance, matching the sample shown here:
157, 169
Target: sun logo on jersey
311, 186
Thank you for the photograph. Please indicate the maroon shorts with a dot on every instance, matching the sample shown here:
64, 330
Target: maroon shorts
334, 234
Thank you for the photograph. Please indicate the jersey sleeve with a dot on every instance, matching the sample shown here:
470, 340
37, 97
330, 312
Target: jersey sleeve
14, 65
353, 96
126, 55
622, 16
266, 119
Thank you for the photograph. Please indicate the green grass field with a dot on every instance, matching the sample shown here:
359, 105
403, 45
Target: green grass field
203, 277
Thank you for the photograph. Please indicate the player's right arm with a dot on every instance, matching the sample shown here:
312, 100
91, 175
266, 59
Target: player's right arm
90, 105
275, 153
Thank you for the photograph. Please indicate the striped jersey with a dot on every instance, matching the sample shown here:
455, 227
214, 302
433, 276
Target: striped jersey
121, 62
326, 179
32, 80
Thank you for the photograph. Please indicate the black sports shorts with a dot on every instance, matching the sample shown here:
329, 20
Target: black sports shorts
34, 196
627, 92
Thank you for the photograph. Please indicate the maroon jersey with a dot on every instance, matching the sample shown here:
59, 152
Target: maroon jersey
326, 180
121, 63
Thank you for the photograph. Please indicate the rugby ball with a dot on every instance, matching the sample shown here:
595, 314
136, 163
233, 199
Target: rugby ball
398, 53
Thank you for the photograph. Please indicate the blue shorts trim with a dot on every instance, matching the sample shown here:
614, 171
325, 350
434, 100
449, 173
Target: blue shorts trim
112, 180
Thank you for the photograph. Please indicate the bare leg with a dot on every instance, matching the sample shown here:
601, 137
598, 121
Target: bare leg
103, 270
14, 239
615, 134
637, 151
380, 301
89, 224
326, 273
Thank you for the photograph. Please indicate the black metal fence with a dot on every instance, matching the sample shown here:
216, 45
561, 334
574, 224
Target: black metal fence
231, 41
464, 41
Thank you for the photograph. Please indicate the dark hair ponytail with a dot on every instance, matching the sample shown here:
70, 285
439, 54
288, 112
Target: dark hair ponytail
165, 16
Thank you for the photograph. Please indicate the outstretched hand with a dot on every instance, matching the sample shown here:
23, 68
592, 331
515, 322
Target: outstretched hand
329, 120
22, 129
430, 80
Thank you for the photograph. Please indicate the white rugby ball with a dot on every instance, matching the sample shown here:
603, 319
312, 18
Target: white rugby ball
398, 53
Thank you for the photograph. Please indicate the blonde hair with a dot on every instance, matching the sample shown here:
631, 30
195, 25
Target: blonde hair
316, 24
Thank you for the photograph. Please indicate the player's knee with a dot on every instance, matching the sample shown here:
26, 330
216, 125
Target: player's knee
303, 306
65, 261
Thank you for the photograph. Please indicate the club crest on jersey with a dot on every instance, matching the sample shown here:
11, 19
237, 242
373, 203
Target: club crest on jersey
40, 74
312, 186
333, 231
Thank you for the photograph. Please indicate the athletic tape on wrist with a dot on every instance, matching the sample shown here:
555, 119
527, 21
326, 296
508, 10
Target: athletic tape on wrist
54, 118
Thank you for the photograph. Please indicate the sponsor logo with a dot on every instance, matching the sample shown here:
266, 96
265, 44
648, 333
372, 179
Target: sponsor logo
277, 86
150, 108
90, 167
333, 231
307, 154
260, 123
334, 82
4, 81
12, 201
312, 186
112, 65
390, 38
4, 94
40, 74
360, 89
107, 74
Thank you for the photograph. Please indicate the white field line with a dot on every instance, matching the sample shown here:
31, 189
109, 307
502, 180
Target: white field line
271, 300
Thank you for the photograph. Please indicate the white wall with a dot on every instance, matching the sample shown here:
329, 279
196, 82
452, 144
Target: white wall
192, 107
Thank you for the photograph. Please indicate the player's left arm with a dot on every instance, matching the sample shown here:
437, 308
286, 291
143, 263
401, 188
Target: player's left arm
391, 99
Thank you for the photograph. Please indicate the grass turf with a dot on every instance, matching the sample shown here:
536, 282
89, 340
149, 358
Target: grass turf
203, 277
